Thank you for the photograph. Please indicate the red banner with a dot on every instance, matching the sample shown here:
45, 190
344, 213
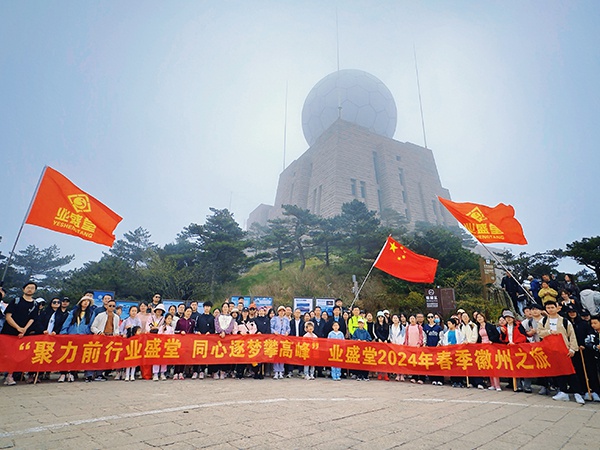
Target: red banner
90, 352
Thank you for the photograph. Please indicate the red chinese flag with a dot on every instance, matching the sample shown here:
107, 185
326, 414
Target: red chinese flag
61, 206
400, 262
488, 225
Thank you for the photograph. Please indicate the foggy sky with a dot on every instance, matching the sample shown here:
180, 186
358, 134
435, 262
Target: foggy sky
164, 109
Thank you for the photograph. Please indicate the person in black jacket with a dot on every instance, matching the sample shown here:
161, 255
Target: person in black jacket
582, 330
336, 317
205, 324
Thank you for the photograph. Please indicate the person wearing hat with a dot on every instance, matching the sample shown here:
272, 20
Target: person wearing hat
361, 334
513, 333
157, 318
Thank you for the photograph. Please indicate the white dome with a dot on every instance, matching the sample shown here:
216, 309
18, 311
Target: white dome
363, 98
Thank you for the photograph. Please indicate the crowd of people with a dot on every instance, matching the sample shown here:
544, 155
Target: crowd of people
25, 316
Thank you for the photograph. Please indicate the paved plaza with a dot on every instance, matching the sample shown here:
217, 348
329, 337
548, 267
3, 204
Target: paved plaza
287, 414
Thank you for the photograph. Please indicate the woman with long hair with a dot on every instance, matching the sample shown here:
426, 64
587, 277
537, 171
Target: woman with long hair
488, 334
80, 322
143, 315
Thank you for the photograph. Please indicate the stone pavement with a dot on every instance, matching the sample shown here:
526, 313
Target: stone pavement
287, 414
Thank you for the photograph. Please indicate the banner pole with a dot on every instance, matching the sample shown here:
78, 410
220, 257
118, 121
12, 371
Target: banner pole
12, 252
368, 273
508, 271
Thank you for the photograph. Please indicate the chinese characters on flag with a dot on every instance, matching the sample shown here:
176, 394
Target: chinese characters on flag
488, 225
398, 261
89, 352
61, 206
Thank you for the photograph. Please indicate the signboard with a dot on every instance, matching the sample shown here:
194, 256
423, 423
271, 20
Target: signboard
263, 301
440, 301
99, 294
432, 300
303, 304
326, 304
235, 298
447, 300
126, 305
488, 272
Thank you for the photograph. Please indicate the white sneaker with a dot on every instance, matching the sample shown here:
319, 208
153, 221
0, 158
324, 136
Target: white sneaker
201, 375
163, 377
561, 396
595, 397
222, 375
480, 386
61, 379
491, 388
579, 399
194, 375
70, 377
216, 375
126, 378
307, 377
587, 397
155, 377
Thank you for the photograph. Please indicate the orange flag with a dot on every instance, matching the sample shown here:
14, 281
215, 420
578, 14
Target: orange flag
400, 262
488, 225
61, 206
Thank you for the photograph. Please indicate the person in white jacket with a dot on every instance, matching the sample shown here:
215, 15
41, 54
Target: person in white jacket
453, 336
107, 323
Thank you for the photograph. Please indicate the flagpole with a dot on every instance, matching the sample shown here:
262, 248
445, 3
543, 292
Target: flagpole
12, 252
368, 273
507, 271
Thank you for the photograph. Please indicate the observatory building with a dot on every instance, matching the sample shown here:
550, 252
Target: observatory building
349, 119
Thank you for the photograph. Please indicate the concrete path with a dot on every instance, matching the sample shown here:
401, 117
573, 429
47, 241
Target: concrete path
287, 414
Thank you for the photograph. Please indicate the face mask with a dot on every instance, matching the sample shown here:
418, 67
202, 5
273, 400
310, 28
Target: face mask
436, 320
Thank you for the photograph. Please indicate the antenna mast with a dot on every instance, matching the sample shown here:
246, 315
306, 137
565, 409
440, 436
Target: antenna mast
285, 124
337, 44
420, 101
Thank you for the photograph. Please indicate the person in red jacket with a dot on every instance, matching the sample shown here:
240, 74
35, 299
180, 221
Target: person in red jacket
513, 333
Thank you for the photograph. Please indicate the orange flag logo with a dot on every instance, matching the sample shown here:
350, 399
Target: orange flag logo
61, 206
488, 225
398, 261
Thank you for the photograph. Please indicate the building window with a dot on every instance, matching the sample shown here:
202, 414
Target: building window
404, 199
363, 189
353, 186
379, 200
398, 158
401, 175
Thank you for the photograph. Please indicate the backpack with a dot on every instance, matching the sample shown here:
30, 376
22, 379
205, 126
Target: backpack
565, 322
